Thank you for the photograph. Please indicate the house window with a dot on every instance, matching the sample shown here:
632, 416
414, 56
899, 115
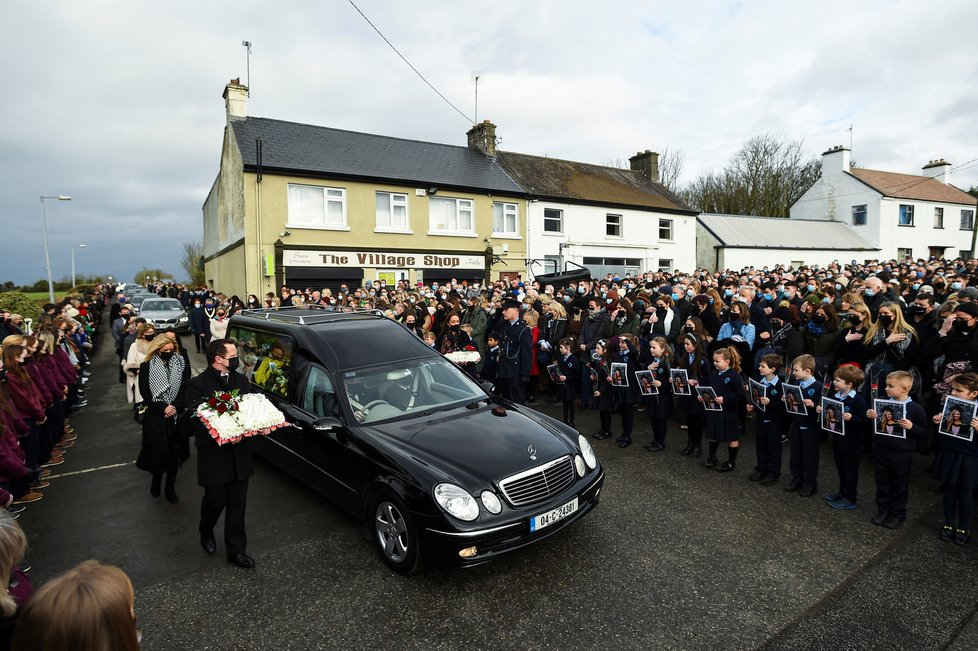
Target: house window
967, 220
903, 254
965, 254
505, 218
938, 218
450, 216
551, 264
859, 215
553, 220
665, 264
392, 213
906, 215
665, 229
612, 226
313, 206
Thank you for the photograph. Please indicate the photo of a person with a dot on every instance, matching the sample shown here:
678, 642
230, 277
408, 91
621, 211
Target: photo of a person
709, 397
757, 392
680, 382
619, 374
888, 412
956, 418
645, 383
793, 399
832, 416
554, 371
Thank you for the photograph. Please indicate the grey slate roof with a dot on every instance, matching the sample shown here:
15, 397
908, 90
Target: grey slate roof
323, 151
747, 231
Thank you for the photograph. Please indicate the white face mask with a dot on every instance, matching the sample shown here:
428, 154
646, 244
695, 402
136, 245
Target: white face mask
431, 311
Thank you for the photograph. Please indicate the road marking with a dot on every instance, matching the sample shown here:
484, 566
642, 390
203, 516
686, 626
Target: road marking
82, 472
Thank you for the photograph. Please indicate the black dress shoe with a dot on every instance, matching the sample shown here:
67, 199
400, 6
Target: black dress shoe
154, 486
686, 450
710, 462
624, 443
807, 492
757, 475
208, 543
171, 496
879, 518
726, 466
241, 560
791, 487
696, 452
770, 480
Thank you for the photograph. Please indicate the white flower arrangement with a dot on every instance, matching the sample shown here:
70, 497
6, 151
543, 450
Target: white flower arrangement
255, 415
464, 356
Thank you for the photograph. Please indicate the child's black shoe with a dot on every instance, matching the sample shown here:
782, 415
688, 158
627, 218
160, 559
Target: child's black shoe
710, 462
892, 522
961, 537
879, 519
757, 475
726, 466
947, 534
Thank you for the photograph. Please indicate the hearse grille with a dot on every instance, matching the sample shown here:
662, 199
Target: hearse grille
537, 484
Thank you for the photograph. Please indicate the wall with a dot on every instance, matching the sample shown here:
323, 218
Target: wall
737, 259
224, 273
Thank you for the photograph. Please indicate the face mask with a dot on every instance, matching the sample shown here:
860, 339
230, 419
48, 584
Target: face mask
916, 286
855, 319
733, 317
868, 293
811, 288
711, 301
955, 286
660, 310
196, 304
728, 292
444, 296
885, 320
567, 299
826, 300
149, 337
220, 315
233, 364
167, 356
818, 318
777, 324
581, 289
838, 287
675, 296
690, 292
768, 296
639, 306
917, 309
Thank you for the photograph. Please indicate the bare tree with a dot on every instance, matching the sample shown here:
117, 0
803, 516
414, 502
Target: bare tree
193, 254
764, 177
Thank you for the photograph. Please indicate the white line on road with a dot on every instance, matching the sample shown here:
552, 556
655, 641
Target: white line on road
82, 472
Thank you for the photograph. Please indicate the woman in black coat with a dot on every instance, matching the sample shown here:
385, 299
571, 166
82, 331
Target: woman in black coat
162, 383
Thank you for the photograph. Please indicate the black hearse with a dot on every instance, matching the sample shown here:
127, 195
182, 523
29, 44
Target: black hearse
441, 471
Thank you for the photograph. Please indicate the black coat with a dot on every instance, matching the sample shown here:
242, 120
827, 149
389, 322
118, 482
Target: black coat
160, 434
515, 352
217, 464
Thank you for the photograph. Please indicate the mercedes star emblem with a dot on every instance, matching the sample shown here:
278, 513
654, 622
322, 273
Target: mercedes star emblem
533, 452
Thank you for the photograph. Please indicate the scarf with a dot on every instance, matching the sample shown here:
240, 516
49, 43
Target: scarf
815, 329
164, 380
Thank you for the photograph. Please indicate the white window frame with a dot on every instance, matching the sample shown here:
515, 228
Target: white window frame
559, 219
330, 195
614, 220
971, 219
859, 214
506, 210
394, 199
671, 225
907, 253
665, 267
908, 212
938, 217
462, 206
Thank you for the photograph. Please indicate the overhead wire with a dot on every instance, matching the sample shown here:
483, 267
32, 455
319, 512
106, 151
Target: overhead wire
403, 58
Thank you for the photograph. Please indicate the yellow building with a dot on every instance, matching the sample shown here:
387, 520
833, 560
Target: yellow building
308, 206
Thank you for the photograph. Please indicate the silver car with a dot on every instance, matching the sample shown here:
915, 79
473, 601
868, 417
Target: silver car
165, 314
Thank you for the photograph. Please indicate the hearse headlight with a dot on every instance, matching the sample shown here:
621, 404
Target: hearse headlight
579, 464
457, 501
491, 502
587, 453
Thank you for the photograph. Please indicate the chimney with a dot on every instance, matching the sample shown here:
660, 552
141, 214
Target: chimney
646, 163
482, 137
836, 161
939, 169
235, 98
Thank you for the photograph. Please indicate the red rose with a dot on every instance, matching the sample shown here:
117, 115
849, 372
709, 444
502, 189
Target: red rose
212, 402
221, 409
225, 396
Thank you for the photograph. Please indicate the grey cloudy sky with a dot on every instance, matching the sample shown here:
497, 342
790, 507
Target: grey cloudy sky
118, 104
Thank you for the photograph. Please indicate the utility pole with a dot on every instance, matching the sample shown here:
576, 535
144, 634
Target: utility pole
247, 45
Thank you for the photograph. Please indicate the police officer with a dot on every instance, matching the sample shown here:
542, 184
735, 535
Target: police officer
515, 353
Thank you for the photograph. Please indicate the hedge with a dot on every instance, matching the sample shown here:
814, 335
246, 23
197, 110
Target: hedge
18, 303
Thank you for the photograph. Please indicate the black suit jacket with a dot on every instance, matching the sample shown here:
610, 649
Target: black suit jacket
218, 464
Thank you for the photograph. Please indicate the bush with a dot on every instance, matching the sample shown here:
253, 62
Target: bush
22, 304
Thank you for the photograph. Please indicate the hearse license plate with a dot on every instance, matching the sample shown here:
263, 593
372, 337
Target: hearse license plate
546, 519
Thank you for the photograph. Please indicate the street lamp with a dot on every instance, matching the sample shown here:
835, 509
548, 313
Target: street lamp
73, 283
47, 255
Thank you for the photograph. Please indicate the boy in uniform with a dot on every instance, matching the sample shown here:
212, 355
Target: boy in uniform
805, 436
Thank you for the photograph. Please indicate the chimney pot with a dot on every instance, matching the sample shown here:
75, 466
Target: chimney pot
235, 100
482, 137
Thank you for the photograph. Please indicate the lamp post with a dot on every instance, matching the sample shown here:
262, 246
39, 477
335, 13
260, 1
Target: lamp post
73, 283
47, 255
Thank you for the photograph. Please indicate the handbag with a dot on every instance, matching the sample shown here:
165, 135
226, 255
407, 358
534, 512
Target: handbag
139, 412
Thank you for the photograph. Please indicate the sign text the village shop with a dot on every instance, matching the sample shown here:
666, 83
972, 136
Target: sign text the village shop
395, 259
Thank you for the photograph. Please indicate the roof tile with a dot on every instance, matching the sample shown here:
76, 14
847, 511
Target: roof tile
911, 186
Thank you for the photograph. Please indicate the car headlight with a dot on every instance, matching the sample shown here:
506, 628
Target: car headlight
457, 501
587, 452
579, 464
184, 318
491, 502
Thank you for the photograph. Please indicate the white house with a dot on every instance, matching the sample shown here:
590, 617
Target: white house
742, 241
904, 215
608, 219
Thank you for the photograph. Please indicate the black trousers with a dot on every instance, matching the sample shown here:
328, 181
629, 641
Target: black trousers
846, 450
694, 428
769, 447
569, 412
233, 497
892, 481
511, 389
804, 455
659, 428
627, 420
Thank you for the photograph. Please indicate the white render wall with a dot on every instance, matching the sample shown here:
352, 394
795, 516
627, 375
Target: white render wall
584, 235
736, 258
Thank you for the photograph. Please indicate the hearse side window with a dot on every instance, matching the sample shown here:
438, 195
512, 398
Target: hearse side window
266, 359
319, 397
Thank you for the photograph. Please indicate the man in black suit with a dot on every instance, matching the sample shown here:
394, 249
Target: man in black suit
222, 470
515, 353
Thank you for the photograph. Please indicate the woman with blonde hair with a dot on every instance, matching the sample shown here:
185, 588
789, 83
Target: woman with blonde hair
145, 334
162, 383
91, 607
891, 345
13, 546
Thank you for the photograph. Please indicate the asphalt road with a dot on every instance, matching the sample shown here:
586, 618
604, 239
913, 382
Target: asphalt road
675, 557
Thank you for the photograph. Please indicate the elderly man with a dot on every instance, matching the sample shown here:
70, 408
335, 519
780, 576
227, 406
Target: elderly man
874, 295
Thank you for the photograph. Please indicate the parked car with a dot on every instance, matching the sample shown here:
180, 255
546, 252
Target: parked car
164, 314
441, 471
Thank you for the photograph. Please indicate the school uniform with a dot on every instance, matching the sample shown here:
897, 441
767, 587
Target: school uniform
627, 396
805, 438
956, 468
724, 426
491, 364
692, 407
604, 403
846, 449
659, 406
892, 459
570, 368
771, 424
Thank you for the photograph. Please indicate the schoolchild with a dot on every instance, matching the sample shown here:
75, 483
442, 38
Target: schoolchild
724, 426
626, 396
893, 456
693, 360
847, 448
602, 397
771, 424
570, 374
805, 436
492, 357
957, 468
659, 406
